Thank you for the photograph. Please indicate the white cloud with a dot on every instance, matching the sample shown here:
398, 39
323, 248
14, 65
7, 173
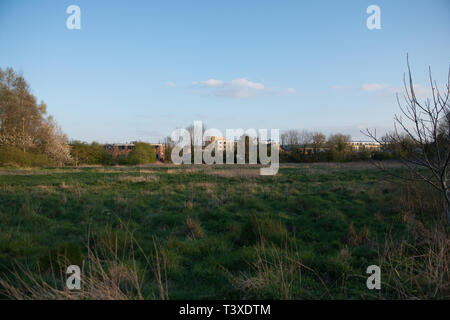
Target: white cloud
380, 88
421, 91
237, 88
373, 87
210, 83
170, 84
244, 83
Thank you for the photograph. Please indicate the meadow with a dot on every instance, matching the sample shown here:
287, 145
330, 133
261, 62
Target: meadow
218, 232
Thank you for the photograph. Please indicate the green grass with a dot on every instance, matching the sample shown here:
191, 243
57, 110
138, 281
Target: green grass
310, 232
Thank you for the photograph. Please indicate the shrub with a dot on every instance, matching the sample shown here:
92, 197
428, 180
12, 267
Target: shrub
15, 157
84, 153
143, 153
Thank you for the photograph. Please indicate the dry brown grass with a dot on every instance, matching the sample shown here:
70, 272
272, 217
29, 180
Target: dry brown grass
252, 188
42, 188
233, 173
159, 267
416, 271
136, 179
109, 272
341, 165
182, 170
23, 171
102, 279
356, 238
418, 266
272, 270
64, 186
277, 272
106, 170
208, 187
142, 171
194, 228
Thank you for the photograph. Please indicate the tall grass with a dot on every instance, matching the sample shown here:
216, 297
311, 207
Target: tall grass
418, 265
278, 271
110, 271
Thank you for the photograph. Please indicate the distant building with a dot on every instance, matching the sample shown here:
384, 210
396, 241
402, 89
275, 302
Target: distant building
119, 149
306, 150
365, 145
222, 143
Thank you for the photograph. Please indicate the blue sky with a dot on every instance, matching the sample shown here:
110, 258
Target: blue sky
138, 69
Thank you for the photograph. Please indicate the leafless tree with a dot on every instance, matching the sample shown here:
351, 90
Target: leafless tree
291, 137
339, 142
427, 126
318, 140
284, 139
305, 138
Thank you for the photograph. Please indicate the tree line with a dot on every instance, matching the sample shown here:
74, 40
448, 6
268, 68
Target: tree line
307, 146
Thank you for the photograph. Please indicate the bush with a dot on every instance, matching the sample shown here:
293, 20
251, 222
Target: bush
84, 153
143, 153
386, 155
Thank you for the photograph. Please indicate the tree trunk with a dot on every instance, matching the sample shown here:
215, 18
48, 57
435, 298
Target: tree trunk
447, 198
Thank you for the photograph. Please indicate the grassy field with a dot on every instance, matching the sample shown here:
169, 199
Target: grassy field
200, 232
